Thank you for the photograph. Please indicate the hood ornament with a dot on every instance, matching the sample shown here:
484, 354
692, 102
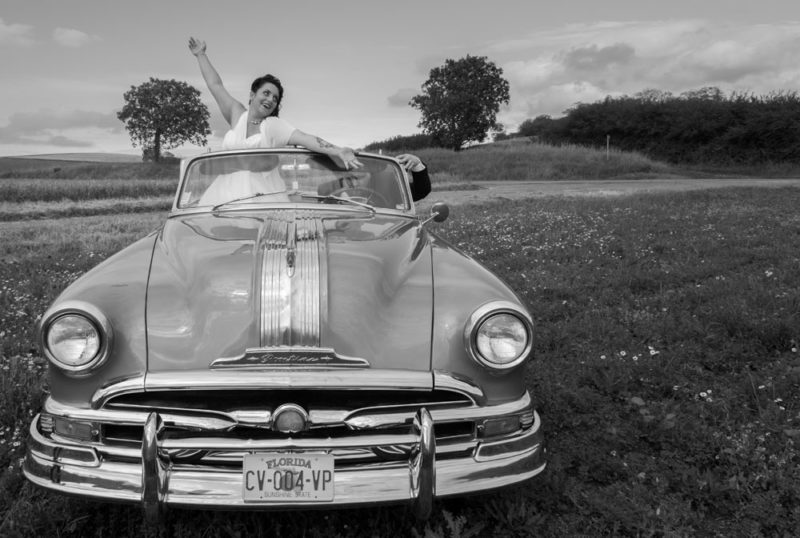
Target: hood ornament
291, 247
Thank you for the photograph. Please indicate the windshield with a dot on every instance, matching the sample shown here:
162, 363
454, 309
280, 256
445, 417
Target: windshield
274, 177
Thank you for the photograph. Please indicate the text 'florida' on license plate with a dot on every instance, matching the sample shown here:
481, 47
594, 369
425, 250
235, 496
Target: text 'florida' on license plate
281, 477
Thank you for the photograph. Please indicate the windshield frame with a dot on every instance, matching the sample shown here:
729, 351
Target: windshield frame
188, 163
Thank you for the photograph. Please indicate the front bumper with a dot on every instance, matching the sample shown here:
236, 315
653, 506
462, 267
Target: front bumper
151, 476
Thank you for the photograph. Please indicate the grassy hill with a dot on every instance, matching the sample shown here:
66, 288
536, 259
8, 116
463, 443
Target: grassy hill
509, 160
30, 167
86, 157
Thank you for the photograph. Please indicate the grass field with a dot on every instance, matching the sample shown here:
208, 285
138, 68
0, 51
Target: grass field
667, 371
520, 160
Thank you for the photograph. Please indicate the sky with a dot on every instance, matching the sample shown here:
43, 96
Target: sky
350, 67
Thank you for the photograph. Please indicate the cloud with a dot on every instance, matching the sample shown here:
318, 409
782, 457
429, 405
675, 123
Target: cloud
551, 71
47, 120
401, 97
15, 34
69, 37
49, 126
67, 142
594, 57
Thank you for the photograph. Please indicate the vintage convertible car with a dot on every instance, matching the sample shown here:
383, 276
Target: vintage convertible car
293, 336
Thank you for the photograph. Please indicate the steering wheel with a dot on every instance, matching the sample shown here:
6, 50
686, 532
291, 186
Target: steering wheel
362, 194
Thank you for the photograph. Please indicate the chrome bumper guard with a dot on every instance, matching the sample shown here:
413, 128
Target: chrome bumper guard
60, 465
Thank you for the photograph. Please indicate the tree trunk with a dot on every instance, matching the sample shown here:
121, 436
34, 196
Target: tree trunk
157, 147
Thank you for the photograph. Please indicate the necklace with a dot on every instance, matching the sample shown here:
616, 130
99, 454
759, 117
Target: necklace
256, 122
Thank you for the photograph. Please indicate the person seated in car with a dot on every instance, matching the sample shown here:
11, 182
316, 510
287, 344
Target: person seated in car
420, 180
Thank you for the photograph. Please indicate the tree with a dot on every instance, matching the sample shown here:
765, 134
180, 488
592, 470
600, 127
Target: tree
164, 114
460, 100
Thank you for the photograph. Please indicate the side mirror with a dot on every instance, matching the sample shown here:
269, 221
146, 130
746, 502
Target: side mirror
439, 213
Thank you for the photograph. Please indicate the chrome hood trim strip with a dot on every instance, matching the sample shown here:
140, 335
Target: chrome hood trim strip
277, 378
292, 280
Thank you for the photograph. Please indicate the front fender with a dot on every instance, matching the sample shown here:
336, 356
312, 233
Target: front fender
117, 287
461, 285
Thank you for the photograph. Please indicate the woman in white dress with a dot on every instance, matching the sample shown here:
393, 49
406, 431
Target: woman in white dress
258, 126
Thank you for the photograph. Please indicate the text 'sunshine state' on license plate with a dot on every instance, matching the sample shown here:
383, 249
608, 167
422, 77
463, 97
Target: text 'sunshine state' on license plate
281, 477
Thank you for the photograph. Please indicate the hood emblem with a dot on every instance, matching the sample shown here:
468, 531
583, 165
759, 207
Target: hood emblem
290, 357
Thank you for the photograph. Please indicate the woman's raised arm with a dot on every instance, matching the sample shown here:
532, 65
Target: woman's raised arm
231, 108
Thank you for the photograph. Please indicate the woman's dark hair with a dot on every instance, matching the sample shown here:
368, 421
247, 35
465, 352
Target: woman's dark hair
260, 81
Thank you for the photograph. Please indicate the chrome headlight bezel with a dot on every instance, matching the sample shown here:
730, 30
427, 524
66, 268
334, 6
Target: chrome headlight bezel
487, 312
99, 323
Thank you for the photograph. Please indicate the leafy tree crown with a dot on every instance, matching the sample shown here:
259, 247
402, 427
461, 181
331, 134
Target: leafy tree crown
164, 114
460, 101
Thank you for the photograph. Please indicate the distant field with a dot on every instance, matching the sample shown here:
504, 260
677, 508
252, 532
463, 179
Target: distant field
85, 157
16, 164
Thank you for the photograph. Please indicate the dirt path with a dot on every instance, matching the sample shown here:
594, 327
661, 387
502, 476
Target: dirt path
513, 190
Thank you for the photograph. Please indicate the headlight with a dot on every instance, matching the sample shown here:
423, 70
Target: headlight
76, 337
499, 335
73, 340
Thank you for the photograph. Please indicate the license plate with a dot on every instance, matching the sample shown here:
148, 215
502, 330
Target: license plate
281, 477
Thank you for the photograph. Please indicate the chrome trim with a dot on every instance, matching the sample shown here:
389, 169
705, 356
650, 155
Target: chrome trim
62, 451
267, 445
306, 298
289, 407
96, 317
423, 466
352, 379
291, 248
275, 287
361, 484
116, 388
189, 419
290, 280
290, 357
291, 379
507, 447
154, 473
370, 418
457, 383
353, 211
361, 419
484, 312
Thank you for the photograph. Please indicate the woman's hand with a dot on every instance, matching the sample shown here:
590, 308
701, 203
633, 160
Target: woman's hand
348, 158
196, 46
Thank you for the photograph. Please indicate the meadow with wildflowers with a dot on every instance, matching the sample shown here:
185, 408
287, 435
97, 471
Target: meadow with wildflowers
666, 370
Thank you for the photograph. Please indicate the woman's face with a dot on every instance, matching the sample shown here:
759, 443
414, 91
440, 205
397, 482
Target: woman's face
266, 98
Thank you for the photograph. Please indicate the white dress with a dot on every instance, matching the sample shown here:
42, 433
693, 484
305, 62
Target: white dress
273, 133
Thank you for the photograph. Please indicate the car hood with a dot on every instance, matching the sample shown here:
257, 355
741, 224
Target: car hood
290, 288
